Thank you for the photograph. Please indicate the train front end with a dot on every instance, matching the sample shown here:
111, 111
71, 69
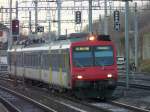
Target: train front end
93, 68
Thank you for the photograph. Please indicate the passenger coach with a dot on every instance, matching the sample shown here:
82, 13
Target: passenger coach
86, 65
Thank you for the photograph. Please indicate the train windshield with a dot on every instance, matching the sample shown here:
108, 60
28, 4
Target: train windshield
84, 56
103, 55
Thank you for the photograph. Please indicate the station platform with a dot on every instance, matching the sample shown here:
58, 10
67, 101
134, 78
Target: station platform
2, 108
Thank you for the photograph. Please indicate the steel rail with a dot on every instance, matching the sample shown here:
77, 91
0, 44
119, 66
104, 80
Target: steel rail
145, 87
136, 109
115, 103
64, 96
9, 106
38, 104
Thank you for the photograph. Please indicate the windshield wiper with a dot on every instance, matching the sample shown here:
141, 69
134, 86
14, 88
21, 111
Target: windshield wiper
78, 64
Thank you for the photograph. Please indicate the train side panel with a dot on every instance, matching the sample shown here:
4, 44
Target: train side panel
54, 69
50, 67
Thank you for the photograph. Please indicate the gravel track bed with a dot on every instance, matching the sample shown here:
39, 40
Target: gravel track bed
136, 97
50, 100
19, 103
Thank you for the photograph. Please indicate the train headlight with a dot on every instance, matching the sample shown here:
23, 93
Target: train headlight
79, 77
109, 75
91, 38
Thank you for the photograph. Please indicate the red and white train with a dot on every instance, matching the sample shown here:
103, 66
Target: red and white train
87, 66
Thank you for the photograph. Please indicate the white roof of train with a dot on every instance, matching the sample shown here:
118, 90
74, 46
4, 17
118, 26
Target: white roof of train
52, 46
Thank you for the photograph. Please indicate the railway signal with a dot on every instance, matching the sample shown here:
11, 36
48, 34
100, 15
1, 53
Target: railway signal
116, 16
78, 17
116, 20
15, 27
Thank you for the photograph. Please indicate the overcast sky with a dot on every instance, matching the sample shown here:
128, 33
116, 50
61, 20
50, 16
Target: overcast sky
65, 15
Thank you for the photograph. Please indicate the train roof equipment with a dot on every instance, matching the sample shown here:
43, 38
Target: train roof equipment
60, 43
88, 36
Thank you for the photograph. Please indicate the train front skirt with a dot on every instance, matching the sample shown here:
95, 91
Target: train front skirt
94, 89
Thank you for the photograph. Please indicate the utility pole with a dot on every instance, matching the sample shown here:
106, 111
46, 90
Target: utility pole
10, 20
49, 24
136, 36
105, 18
127, 42
2, 14
36, 15
30, 26
81, 18
117, 29
90, 16
59, 17
17, 10
17, 17
100, 27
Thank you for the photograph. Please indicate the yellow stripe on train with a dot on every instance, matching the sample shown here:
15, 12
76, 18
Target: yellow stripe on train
60, 75
50, 74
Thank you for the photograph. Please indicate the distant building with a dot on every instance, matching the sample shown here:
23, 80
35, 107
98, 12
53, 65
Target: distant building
4, 34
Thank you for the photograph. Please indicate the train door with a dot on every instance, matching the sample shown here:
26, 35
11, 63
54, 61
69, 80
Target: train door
67, 67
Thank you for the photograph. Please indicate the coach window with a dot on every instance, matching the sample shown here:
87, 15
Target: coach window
32, 60
35, 60
44, 61
38, 61
26, 61
55, 62
20, 59
47, 61
29, 60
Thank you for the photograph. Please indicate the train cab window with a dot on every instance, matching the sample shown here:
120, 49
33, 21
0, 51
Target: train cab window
103, 55
82, 56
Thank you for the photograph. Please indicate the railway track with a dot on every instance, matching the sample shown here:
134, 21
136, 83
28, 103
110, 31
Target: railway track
16, 102
107, 106
115, 106
136, 78
110, 106
55, 102
133, 108
132, 85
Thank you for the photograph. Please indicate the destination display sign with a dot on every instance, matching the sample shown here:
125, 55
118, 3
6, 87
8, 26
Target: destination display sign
82, 48
103, 47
